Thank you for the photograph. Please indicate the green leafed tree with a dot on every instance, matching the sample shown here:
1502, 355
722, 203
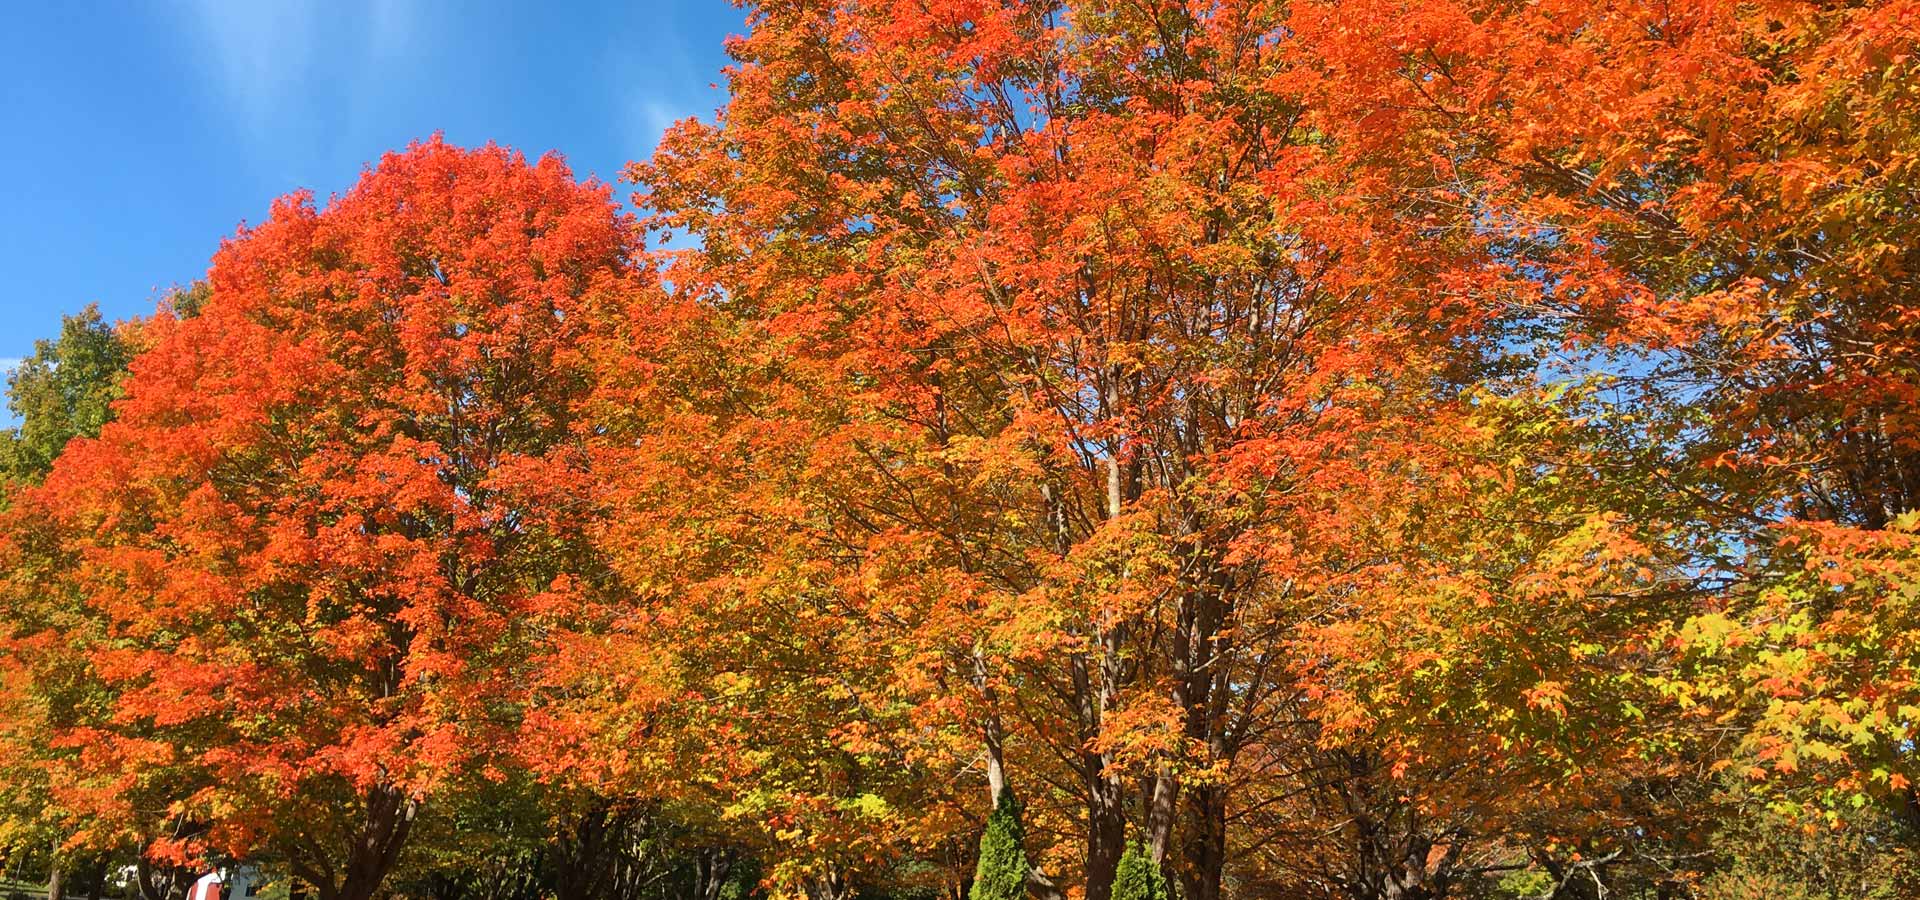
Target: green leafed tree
1002, 872
64, 390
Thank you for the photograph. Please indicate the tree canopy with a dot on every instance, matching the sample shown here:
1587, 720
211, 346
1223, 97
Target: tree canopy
1349, 449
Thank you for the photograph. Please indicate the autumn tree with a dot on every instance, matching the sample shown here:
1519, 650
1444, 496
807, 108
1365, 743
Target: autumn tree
63, 391
1714, 201
1702, 203
1060, 330
304, 548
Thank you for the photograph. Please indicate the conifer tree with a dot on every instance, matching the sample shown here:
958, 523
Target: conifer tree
1139, 878
1002, 872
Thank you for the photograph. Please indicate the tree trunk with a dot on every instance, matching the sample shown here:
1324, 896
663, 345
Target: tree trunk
991, 733
1106, 831
825, 887
157, 882
713, 866
1106, 836
97, 883
57, 881
1203, 662
1163, 796
389, 815
166, 882
589, 858
1396, 855
1203, 845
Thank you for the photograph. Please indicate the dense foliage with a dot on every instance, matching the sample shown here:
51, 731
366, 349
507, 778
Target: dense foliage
1331, 448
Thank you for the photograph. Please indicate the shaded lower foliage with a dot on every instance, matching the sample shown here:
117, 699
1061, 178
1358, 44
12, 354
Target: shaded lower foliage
605, 851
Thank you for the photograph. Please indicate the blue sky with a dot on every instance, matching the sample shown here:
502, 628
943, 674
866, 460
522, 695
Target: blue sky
135, 135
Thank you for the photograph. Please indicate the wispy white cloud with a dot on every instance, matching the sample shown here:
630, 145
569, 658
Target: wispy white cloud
262, 55
651, 81
257, 50
9, 363
648, 119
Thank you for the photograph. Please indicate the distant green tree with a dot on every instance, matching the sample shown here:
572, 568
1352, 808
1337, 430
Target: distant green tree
1002, 871
64, 390
1139, 877
186, 302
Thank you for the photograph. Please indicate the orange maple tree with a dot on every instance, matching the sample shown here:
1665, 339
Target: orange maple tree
1062, 331
306, 548
1714, 201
